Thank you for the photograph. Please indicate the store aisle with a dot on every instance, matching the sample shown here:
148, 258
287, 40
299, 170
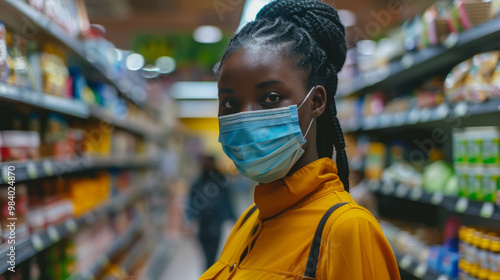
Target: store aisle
187, 261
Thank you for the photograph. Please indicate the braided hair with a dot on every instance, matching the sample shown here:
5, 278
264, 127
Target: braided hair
312, 32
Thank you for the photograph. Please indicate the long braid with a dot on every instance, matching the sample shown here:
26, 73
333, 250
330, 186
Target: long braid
311, 31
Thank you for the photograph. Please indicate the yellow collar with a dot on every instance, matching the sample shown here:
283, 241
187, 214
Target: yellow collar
305, 185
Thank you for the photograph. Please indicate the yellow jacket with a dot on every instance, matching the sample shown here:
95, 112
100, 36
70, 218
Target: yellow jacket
274, 242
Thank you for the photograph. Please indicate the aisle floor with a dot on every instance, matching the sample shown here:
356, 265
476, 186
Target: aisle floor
187, 261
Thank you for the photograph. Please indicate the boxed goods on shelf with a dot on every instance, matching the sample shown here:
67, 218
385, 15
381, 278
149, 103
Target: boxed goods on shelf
476, 153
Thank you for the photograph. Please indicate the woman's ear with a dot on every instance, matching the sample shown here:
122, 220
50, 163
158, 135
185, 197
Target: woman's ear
318, 101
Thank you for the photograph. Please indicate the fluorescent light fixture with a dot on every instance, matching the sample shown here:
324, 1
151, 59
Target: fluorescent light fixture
347, 17
134, 62
194, 90
165, 64
197, 108
250, 11
207, 34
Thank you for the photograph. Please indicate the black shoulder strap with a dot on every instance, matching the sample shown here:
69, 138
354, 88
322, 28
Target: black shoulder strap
249, 213
312, 260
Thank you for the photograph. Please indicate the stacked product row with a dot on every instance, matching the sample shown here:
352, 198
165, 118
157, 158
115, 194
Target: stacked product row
43, 69
459, 252
474, 81
35, 136
48, 202
421, 165
431, 28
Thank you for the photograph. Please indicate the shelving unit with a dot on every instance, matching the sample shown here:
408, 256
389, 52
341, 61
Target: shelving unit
461, 205
73, 108
35, 243
417, 269
388, 137
24, 19
414, 66
119, 245
437, 117
32, 170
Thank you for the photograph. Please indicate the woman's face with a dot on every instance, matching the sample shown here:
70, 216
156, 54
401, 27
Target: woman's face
258, 78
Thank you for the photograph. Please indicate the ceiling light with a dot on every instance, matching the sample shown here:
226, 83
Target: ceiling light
347, 17
207, 34
165, 64
134, 62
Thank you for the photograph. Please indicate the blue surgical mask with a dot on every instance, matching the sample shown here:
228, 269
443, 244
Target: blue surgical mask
263, 144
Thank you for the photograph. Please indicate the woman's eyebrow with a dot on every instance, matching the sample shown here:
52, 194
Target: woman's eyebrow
226, 90
268, 83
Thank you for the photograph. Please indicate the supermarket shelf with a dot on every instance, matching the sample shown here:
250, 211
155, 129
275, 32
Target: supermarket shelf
35, 243
145, 130
40, 100
460, 205
119, 245
26, 20
417, 269
417, 65
48, 167
439, 116
73, 108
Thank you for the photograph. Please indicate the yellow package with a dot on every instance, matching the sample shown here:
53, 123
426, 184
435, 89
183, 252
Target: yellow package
54, 70
477, 83
454, 82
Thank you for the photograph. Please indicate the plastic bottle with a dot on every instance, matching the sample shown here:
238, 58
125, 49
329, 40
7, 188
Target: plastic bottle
483, 255
494, 257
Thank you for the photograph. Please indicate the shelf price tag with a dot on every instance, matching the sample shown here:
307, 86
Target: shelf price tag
442, 111
48, 167
437, 198
451, 40
53, 234
416, 193
32, 170
405, 262
461, 109
487, 210
70, 225
5, 173
425, 115
388, 187
414, 116
402, 190
407, 61
420, 270
462, 205
37, 242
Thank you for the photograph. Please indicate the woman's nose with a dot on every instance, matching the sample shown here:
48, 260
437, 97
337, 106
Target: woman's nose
246, 107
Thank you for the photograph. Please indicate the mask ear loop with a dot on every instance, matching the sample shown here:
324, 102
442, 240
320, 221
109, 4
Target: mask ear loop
307, 96
304, 101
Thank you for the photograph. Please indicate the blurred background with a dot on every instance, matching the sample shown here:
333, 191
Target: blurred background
108, 129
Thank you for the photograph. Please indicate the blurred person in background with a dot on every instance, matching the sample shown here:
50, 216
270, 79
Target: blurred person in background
210, 205
278, 123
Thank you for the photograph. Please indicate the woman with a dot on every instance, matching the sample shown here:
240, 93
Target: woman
277, 81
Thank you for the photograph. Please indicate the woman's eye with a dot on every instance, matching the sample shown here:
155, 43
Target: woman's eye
272, 98
229, 104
